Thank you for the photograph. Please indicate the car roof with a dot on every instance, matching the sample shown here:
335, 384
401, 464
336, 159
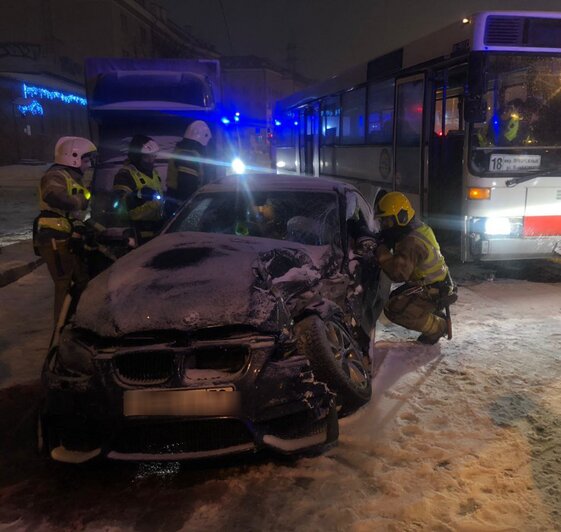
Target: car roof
302, 183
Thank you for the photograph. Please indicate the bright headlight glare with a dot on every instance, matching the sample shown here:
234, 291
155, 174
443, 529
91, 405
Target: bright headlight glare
497, 226
238, 166
281, 164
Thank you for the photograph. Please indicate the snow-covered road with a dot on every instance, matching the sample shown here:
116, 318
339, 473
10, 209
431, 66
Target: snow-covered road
465, 435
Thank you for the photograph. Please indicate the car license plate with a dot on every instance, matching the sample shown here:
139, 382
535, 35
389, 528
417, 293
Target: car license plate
500, 162
206, 402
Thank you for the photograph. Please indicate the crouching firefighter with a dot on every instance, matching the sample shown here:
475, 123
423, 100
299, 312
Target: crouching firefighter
137, 189
422, 302
58, 230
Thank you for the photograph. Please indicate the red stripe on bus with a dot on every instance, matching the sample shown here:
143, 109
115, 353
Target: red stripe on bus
542, 225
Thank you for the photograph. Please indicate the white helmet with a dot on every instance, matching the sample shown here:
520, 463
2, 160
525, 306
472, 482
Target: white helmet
70, 150
199, 132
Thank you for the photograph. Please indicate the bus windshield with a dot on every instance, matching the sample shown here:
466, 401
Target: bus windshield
521, 131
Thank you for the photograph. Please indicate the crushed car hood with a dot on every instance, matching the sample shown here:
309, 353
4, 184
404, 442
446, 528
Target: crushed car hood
189, 281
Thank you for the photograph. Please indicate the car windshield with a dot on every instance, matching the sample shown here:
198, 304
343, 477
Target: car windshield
521, 130
307, 217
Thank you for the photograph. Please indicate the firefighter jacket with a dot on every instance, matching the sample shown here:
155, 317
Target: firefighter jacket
416, 258
185, 172
140, 196
63, 200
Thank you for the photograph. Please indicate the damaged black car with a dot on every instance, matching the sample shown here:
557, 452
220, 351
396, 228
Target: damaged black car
245, 325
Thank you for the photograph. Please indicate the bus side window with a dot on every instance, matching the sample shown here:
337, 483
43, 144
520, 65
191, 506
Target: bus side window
409, 122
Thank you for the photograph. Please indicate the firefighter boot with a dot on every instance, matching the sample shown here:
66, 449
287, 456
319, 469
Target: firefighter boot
434, 329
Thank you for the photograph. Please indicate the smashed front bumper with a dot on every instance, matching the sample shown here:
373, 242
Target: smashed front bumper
163, 402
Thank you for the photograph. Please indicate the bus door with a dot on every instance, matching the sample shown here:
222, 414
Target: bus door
446, 147
309, 140
408, 138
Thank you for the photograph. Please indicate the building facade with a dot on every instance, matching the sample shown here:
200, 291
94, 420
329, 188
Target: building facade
42, 49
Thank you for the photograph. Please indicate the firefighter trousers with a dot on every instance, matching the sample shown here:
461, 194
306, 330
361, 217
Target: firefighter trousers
65, 268
415, 307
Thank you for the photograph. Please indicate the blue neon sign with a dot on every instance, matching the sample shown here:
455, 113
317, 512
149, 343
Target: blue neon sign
34, 108
30, 91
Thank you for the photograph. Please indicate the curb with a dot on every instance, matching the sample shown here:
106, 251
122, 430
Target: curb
13, 273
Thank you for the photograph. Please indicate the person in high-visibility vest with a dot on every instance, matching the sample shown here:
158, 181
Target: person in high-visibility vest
63, 201
138, 191
417, 262
185, 166
508, 127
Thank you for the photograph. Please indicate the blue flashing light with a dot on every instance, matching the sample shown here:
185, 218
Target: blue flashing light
158, 197
237, 113
236, 118
225, 120
278, 123
295, 122
30, 91
116, 204
34, 108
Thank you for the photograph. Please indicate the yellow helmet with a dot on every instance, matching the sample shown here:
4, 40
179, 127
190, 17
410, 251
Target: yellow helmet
395, 204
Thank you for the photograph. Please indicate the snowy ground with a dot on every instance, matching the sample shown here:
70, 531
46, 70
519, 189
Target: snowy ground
465, 435
18, 201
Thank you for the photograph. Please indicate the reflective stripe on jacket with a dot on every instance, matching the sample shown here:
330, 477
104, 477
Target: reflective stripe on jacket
184, 164
141, 180
148, 210
433, 269
72, 194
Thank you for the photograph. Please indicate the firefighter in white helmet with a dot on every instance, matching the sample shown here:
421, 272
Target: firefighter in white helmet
185, 167
138, 191
63, 201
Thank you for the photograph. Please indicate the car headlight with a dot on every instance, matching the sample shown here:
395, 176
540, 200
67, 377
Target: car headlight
73, 356
238, 166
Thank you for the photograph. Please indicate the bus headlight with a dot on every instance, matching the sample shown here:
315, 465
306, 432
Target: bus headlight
497, 226
238, 166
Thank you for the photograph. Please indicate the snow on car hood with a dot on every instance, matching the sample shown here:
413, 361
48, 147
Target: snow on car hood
188, 281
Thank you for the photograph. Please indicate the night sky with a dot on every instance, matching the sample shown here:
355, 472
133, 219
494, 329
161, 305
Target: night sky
328, 35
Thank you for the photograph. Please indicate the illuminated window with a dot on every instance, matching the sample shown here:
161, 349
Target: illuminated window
452, 120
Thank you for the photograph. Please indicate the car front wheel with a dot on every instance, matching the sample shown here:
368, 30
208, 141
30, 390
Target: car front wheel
337, 360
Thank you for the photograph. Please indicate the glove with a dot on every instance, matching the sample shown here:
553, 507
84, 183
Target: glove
366, 246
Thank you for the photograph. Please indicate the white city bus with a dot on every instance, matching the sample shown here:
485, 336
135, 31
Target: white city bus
466, 122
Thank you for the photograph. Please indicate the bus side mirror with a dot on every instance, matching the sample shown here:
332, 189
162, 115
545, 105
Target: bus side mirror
475, 109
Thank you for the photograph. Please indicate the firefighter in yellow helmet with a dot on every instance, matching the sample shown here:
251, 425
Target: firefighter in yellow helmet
138, 191
417, 262
63, 201
185, 167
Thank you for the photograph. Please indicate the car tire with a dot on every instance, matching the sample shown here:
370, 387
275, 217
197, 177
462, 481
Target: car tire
46, 437
337, 360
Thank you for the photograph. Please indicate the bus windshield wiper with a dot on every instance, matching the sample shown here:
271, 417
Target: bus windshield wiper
523, 178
